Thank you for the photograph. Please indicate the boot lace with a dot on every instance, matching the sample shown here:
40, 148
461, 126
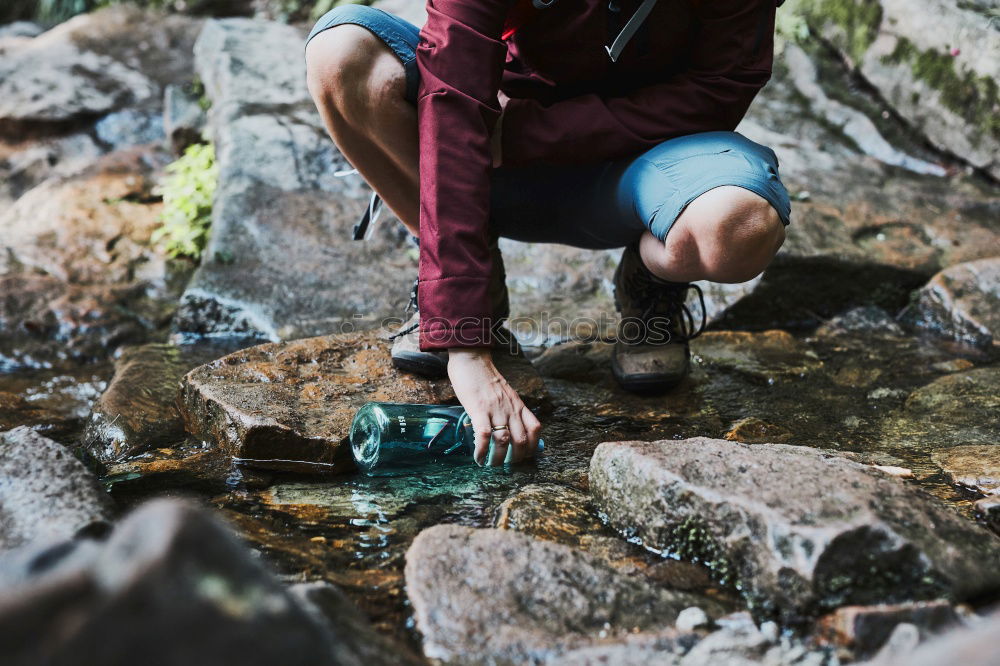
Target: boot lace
669, 300
410, 307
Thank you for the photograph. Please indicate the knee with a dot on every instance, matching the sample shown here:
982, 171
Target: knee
350, 72
740, 234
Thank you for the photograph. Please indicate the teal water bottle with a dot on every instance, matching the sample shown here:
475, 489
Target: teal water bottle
391, 438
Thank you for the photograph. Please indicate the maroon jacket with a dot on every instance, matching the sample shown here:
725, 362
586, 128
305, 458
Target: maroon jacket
695, 66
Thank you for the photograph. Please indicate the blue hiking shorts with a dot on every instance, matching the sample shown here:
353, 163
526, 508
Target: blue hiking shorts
598, 205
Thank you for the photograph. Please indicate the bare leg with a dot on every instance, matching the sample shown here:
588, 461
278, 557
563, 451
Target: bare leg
359, 87
728, 234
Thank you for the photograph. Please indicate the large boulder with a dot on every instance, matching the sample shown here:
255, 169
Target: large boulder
45, 493
187, 576
291, 403
936, 67
797, 529
280, 213
90, 66
961, 303
484, 596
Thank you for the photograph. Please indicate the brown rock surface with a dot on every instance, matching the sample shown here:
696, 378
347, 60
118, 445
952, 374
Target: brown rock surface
285, 403
976, 467
962, 303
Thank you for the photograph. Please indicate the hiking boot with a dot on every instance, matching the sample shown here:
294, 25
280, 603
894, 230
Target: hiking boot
652, 353
406, 353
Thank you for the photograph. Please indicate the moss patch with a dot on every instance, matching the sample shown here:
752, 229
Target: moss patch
859, 20
974, 98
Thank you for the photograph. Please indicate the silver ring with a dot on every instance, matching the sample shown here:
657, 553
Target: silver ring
495, 428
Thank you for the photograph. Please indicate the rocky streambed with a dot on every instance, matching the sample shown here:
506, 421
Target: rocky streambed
174, 485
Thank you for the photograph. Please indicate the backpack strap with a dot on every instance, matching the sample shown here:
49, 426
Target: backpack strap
629, 30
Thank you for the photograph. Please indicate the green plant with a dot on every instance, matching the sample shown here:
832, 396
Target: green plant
187, 202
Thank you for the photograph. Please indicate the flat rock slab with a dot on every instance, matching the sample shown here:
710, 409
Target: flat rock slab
484, 596
976, 467
45, 493
291, 403
190, 577
961, 303
799, 530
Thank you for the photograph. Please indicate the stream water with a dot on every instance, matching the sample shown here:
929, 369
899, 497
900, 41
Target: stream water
850, 393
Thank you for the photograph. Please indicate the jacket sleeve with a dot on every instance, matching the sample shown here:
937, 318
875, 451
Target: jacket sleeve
460, 57
731, 61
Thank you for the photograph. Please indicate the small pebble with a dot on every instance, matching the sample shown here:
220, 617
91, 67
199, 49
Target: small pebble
691, 618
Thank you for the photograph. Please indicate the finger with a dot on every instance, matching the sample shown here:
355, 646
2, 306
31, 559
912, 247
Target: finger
518, 439
534, 431
481, 430
501, 439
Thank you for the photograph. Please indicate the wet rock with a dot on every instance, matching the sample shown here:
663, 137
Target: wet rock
752, 430
55, 403
972, 646
15, 411
280, 214
948, 95
550, 512
77, 267
138, 410
865, 629
495, 596
191, 578
286, 403
866, 320
958, 407
183, 117
45, 493
764, 355
834, 533
961, 303
974, 467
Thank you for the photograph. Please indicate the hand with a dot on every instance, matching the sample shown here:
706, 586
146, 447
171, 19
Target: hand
496, 143
490, 401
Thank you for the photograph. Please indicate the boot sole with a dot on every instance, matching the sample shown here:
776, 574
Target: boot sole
647, 383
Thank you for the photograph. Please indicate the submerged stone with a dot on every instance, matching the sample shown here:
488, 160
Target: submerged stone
45, 493
961, 303
976, 467
762, 355
138, 411
798, 530
483, 596
290, 404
